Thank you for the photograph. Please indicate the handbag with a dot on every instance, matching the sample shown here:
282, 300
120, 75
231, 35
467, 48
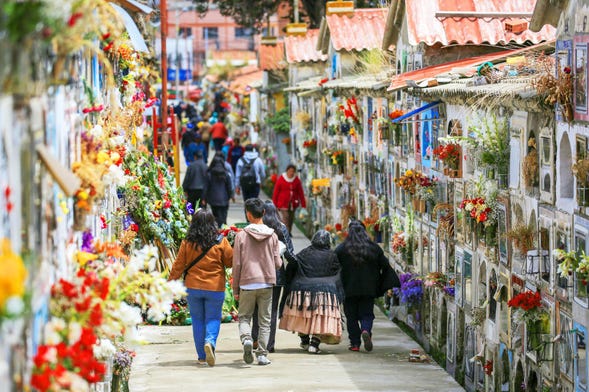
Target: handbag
199, 257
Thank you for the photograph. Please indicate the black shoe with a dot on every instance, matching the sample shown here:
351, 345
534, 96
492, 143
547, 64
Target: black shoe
367, 339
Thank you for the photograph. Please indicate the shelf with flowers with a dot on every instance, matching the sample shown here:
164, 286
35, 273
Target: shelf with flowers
426, 192
395, 128
450, 154
404, 245
104, 299
409, 181
529, 310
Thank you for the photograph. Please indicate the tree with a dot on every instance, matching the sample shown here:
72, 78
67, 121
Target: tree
254, 13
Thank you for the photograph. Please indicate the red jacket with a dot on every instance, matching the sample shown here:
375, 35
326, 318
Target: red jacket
218, 131
288, 194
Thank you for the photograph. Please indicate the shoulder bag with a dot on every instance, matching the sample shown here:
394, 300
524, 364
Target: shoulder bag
199, 257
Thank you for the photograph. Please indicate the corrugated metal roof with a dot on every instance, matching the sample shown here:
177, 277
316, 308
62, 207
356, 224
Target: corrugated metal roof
506, 87
301, 49
308, 84
359, 82
423, 26
464, 66
272, 57
363, 30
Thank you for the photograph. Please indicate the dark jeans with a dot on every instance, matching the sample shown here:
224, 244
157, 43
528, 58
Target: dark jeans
276, 291
220, 213
251, 193
193, 195
218, 143
359, 313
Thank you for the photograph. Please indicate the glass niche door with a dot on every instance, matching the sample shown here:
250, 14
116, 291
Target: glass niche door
580, 364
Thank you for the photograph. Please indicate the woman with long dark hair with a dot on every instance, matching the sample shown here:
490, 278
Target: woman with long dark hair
219, 188
204, 281
365, 271
272, 220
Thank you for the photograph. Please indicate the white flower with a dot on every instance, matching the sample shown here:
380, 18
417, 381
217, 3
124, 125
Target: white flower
115, 175
14, 306
177, 288
129, 315
96, 132
104, 349
52, 331
75, 332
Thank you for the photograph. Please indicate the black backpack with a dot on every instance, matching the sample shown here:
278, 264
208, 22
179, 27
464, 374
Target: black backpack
247, 178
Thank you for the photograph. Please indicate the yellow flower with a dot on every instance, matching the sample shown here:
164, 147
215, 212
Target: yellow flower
14, 273
82, 195
84, 257
102, 157
158, 204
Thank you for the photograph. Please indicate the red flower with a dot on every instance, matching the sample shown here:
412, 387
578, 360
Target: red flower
338, 227
74, 18
134, 227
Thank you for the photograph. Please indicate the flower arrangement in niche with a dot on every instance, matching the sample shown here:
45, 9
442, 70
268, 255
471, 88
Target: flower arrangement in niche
522, 236
449, 154
529, 306
435, 279
310, 144
336, 157
568, 262
426, 188
556, 89
477, 209
581, 171
409, 181
411, 290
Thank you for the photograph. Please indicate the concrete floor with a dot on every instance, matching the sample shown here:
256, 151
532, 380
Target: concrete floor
167, 360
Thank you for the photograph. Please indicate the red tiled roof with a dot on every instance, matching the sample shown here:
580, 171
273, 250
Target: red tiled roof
422, 25
272, 57
400, 81
242, 84
363, 30
302, 48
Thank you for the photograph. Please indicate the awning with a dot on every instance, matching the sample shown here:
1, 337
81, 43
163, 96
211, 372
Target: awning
134, 33
416, 111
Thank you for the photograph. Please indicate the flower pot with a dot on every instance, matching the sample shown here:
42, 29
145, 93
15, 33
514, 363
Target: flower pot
418, 205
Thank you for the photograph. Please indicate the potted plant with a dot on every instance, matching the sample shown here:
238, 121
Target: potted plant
522, 237
450, 155
529, 309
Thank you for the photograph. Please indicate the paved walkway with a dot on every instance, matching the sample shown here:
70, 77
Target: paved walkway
167, 360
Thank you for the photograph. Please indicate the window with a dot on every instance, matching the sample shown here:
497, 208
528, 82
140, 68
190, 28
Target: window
580, 358
243, 32
210, 33
581, 280
561, 243
185, 32
467, 277
566, 346
545, 247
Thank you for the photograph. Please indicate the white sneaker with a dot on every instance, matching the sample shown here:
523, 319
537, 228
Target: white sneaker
314, 350
263, 360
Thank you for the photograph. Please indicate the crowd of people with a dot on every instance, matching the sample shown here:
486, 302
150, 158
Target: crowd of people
304, 292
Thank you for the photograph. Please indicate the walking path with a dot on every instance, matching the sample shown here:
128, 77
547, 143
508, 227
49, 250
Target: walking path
167, 360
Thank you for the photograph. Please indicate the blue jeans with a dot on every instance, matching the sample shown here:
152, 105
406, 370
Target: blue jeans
205, 310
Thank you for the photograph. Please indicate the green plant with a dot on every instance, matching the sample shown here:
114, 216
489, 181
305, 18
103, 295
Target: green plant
280, 121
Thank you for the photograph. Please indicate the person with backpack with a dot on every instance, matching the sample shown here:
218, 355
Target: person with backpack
219, 189
288, 195
249, 174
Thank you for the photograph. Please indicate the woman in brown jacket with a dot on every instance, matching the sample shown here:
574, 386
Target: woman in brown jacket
205, 280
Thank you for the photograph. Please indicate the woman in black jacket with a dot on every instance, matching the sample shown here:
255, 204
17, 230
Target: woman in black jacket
365, 271
314, 295
218, 189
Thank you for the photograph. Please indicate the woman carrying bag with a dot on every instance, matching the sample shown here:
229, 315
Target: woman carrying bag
202, 258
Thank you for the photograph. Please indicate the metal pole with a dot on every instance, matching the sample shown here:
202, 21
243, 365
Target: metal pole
296, 11
164, 60
177, 57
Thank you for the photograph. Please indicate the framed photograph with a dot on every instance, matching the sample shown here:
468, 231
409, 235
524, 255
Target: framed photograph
418, 61
580, 75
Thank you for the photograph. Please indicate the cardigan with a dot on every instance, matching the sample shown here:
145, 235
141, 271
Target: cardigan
288, 194
209, 272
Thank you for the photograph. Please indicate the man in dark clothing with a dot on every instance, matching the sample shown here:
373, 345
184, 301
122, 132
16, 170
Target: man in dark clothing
195, 179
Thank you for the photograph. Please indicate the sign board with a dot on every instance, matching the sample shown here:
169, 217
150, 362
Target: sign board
185, 74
